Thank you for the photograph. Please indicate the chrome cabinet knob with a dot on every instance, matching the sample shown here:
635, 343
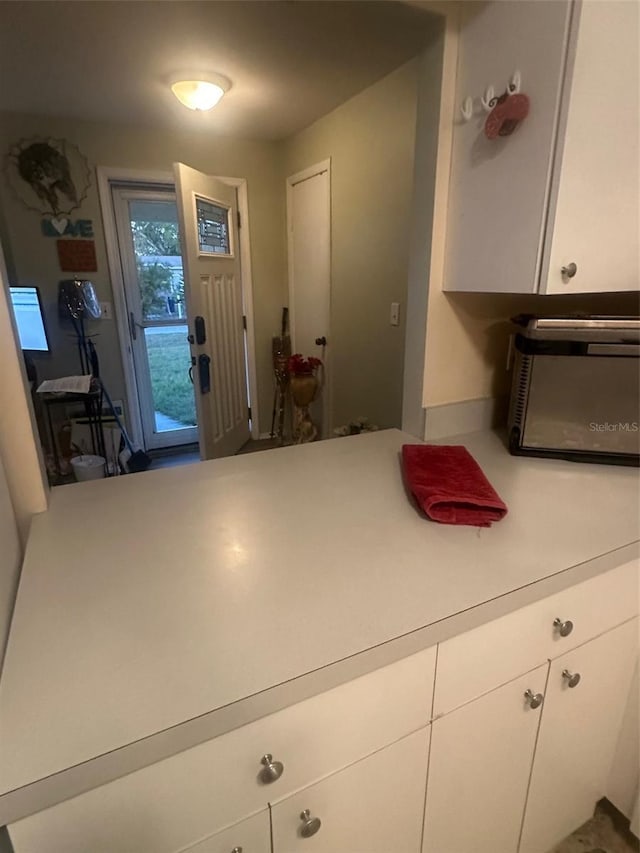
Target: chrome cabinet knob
237, 850
569, 271
534, 700
563, 628
272, 770
572, 678
310, 825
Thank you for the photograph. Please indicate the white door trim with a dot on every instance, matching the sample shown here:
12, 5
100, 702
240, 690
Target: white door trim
106, 175
292, 180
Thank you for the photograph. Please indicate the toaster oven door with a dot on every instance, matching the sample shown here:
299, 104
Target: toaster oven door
583, 404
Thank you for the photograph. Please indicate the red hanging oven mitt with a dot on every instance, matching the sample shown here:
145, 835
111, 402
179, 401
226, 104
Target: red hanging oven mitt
450, 486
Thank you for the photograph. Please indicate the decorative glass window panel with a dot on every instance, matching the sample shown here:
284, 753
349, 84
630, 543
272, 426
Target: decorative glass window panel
213, 228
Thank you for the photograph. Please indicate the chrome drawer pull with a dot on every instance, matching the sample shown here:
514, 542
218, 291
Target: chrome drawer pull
563, 628
534, 700
272, 770
310, 825
572, 678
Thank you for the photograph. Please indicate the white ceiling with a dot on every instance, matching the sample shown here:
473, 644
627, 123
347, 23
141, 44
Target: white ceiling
290, 61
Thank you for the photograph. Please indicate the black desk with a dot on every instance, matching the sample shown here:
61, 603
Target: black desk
92, 403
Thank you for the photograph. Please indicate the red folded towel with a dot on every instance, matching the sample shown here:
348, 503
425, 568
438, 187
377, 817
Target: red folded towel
450, 486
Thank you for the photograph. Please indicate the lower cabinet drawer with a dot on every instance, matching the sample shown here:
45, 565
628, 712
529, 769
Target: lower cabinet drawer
174, 803
479, 660
374, 806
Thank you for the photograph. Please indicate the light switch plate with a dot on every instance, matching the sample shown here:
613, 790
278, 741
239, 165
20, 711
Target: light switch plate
394, 317
107, 311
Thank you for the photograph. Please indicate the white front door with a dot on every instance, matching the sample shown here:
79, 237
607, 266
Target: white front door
309, 246
149, 248
208, 214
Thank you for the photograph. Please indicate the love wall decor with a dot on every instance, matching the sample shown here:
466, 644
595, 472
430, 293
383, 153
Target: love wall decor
52, 177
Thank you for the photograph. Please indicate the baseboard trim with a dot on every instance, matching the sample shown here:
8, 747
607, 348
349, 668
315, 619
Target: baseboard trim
463, 417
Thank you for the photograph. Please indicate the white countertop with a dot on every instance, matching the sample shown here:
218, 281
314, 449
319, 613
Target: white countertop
152, 599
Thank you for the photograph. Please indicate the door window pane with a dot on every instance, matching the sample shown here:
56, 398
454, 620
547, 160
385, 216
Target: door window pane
213, 228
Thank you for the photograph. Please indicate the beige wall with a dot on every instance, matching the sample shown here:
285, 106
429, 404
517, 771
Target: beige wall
370, 140
23, 489
32, 259
10, 556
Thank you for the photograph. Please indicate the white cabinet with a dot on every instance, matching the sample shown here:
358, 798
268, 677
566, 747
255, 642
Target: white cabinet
252, 835
578, 734
169, 805
493, 773
562, 189
374, 806
479, 770
479, 660
593, 214
357, 757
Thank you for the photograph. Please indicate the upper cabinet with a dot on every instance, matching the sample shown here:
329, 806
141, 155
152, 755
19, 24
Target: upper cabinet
552, 206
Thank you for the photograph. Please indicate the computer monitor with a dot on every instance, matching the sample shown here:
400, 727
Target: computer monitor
27, 309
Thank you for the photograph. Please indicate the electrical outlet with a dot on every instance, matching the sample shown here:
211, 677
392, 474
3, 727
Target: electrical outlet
107, 311
394, 316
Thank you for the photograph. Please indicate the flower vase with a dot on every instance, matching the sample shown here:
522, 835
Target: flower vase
304, 390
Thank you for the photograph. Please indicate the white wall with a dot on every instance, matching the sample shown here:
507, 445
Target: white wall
428, 183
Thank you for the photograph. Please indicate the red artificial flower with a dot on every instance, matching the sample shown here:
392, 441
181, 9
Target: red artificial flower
298, 365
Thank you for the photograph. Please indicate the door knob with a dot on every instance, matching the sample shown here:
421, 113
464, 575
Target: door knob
272, 770
572, 678
534, 700
310, 825
321, 342
569, 271
563, 628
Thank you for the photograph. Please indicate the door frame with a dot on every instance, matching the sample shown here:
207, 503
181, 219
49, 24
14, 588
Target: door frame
121, 195
107, 175
304, 175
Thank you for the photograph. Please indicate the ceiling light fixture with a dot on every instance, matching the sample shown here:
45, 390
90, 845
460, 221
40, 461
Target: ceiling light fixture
200, 94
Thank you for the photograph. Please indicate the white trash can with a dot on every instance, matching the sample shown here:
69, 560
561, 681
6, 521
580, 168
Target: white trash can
88, 467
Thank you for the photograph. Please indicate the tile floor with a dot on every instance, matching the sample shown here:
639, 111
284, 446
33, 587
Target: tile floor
598, 835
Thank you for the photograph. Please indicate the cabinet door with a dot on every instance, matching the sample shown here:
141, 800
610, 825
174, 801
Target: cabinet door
596, 170
374, 806
479, 768
249, 836
578, 735
498, 188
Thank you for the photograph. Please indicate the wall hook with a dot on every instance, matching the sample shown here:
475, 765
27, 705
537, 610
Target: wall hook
515, 83
487, 98
467, 109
